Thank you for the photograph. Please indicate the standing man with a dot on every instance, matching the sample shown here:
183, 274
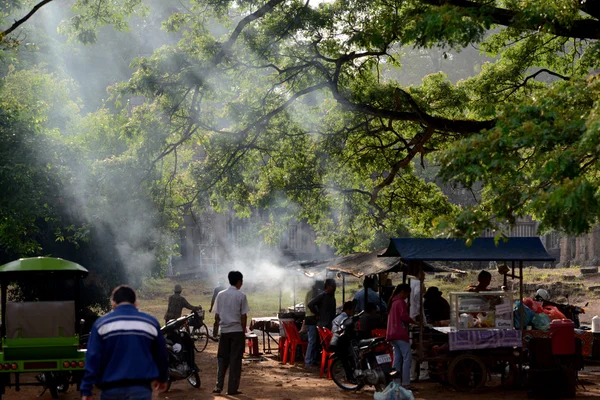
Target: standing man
310, 321
231, 309
177, 303
323, 306
126, 353
361, 299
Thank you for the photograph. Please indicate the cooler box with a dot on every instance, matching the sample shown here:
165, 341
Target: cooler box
562, 332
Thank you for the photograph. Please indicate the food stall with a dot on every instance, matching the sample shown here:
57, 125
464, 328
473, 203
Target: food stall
481, 336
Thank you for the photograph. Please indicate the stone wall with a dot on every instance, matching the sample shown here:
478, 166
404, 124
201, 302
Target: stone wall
582, 250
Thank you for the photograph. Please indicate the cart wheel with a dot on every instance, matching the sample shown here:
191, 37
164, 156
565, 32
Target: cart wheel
467, 372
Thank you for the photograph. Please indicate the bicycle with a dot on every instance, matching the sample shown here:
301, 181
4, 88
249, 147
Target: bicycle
197, 329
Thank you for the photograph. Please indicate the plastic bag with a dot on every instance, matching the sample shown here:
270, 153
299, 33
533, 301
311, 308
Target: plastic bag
528, 314
541, 321
554, 313
394, 391
535, 306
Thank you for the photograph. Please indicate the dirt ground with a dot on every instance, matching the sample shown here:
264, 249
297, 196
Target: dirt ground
269, 379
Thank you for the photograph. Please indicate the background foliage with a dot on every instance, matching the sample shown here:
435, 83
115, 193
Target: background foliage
349, 115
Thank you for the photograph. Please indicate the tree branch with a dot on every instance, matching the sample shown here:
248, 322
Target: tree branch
20, 22
532, 76
464, 127
226, 47
590, 7
580, 29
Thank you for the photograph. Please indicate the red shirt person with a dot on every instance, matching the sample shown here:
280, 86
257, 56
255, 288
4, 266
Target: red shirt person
397, 330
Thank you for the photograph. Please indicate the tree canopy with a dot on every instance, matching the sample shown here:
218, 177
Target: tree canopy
324, 112
293, 105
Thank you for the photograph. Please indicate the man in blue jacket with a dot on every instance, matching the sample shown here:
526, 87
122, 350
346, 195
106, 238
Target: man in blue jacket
126, 352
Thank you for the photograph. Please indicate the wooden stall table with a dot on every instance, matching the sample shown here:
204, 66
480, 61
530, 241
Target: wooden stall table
266, 325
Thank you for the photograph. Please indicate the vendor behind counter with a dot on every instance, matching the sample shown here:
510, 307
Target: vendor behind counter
436, 308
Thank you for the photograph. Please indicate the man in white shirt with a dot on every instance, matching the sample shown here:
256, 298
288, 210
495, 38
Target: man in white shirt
231, 309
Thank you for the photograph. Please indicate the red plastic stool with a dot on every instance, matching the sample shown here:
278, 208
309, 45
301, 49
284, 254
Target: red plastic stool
252, 345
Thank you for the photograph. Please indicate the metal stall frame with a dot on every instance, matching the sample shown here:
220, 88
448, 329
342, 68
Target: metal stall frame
414, 252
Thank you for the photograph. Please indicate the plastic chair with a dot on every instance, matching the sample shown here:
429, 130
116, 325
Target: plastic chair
325, 335
281, 347
292, 342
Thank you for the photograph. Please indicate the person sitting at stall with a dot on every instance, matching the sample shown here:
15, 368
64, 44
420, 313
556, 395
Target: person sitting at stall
347, 309
436, 308
370, 285
484, 279
370, 321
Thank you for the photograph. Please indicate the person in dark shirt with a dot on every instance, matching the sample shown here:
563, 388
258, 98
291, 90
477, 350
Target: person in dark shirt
177, 303
369, 321
323, 306
387, 290
436, 308
220, 287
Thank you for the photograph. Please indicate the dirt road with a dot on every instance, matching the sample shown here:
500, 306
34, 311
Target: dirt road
270, 380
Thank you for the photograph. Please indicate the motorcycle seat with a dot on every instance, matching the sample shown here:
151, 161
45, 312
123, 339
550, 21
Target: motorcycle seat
370, 342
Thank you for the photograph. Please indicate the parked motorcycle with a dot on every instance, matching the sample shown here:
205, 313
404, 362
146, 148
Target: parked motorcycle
180, 346
570, 311
575, 311
355, 362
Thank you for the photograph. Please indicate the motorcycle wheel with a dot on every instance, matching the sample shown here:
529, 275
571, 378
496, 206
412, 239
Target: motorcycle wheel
194, 379
338, 374
200, 337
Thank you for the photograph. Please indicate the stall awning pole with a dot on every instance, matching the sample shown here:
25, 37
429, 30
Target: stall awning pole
422, 317
380, 290
343, 288
521, 308
4, 300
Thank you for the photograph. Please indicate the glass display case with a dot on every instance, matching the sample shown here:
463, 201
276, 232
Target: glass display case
483, 310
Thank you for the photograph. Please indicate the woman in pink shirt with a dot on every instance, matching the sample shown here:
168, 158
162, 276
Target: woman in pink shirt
397, 330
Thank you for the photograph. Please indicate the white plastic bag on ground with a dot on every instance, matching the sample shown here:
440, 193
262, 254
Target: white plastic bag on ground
394, 391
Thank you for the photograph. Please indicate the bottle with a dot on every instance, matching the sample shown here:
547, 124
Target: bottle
596, 324
464, 321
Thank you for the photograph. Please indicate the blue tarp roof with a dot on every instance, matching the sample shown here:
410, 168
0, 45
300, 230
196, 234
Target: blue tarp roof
481, 249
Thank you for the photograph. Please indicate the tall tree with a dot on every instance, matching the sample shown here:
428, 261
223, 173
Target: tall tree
290, 107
